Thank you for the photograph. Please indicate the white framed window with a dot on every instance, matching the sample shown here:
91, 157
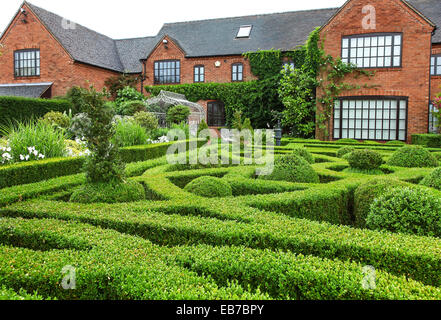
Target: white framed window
433, 121
244, 31
371, 118
373, 50
435, 65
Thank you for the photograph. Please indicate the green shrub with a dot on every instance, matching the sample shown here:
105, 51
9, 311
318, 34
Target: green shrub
146, 120
345, 150
157, 133
126, 94
18, 109
433, 180
128, 134
129, 108
304, 153
56, 119
209, 187
178, 114
365, 159
427, 140
292, 168
412, 157
45, 139
406, 210
109, 192
202, 126
367, 192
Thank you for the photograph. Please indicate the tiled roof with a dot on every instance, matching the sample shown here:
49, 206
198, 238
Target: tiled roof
34, 90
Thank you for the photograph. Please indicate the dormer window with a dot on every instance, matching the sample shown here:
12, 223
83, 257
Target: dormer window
244, 32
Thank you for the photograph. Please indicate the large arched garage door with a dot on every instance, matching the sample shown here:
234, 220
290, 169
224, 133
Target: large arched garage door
216, 114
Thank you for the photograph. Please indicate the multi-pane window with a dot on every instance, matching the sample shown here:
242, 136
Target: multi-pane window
433, 121
370, 118
167, 71
237, 72
288, 65
27, 63
435, 65
199, 74
373, 50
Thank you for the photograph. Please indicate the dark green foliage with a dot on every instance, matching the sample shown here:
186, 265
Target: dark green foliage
147, 120
407, 210
75, 96
56, 119
344, 151
109, 192
178, 114
365, 159
129, 108
119, 82
255, 99
14, 109
367, 192
413, 157
433, 180
103, 164
209, 187
304, 153
292, 168
427, 140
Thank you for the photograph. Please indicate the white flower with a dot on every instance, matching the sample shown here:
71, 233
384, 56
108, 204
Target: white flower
36, 153
22, 157
27, 158
8, 149
41, 156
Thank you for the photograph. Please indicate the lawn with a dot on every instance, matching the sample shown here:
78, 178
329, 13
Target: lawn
269, 240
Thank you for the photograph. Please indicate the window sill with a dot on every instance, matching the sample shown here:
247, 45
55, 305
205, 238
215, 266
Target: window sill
27, 77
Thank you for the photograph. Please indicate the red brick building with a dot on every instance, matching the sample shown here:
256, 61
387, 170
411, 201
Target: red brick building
44, 55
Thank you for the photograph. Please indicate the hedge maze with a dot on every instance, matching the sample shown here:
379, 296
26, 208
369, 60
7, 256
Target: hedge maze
269, 240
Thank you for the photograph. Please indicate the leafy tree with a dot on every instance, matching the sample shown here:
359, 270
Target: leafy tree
178, 114
103, 164
117, 83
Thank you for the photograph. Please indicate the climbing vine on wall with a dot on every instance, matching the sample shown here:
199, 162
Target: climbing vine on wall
319, 81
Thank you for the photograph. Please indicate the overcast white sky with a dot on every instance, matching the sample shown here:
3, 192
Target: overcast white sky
138, 18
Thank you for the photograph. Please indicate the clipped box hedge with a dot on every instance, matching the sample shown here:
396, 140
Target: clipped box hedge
21, 109
427, 140
29, 172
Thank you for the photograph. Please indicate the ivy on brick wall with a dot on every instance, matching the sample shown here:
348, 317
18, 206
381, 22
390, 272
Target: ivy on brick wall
256, 99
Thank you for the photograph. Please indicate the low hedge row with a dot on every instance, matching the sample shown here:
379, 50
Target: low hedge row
29, 172
115, 266
427, 140
23, 109
416, 257
287, 276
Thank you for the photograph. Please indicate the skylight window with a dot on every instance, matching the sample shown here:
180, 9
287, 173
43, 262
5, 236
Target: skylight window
244, 32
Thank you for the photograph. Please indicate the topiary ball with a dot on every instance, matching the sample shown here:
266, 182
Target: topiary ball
304, 153
409, 210
129, 191
413, 157
365, 160
367, 192
345, 150
209, 187
433, 180
292, 168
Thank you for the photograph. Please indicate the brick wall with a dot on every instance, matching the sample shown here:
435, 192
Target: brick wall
56, 64
412, 79
220, 74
